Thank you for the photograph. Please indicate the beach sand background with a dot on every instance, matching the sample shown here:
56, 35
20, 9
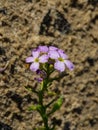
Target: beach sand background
71, 25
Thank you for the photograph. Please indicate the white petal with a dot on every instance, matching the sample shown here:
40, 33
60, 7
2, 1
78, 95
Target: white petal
43, 48
62, 54
29, 59
34, 66
35, 53
53, 54
52, 48
59, 66
69, 64
43, 58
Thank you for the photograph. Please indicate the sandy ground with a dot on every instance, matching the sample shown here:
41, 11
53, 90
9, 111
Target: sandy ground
71, 25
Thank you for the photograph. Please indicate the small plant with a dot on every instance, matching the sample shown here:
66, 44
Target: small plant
45, 61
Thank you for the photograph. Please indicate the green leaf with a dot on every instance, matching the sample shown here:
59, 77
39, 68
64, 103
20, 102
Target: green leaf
29, 88
41, 128
57, 105
34, 108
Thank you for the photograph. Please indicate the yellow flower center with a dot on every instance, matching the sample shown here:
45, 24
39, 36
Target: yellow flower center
36, 60
61, 59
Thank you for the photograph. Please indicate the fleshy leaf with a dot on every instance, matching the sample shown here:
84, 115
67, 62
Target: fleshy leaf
57, 105
34, 107
40, 128
29, 88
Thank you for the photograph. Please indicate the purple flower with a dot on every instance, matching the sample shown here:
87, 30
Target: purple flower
52, 48
42, 73
39, 79
51, 55
36, 59
61, 60
43, 49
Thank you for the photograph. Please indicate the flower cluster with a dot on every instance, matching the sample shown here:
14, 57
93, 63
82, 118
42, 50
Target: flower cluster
51, 55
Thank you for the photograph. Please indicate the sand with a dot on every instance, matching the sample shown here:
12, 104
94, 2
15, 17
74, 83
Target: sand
71, 25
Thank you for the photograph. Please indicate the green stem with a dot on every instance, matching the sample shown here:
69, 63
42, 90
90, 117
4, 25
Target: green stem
41, 92
42, 110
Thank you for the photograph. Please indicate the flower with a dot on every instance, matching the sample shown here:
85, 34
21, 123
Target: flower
36, 59
52, 48
61, 60
39, 79
43, 49
51, 55
42, 73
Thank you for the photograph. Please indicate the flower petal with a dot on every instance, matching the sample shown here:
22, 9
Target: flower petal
52, 48
34, 66
62, 54
53, 54
69, 64
43, 49
29, 59
43, 58
59, 66
35, 53
39, 79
